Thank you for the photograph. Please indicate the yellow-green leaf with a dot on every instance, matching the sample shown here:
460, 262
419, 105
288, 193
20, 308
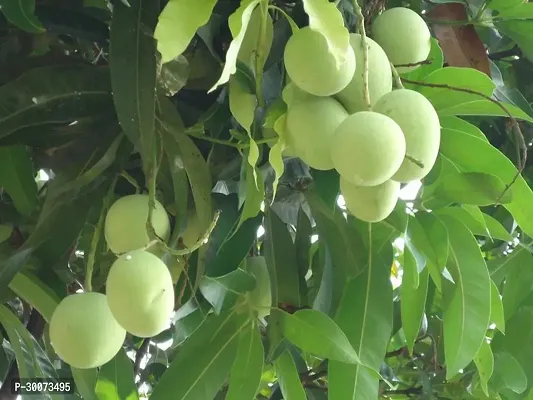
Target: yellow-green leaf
288, 379
325, 17
496, 308
178, 22
484, 361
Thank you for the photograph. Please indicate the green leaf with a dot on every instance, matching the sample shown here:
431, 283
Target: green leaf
32, 361
467, 315
288, 378
58, 94
520, 11
484, 361
85, 380
261, 297
413, 303
133, 72
496, 308
225, 289
485, 107
369, 296
459, 147
205, 360
5, 232
275, 158
437, 61
508, 373
465, 78
489, 226
255, 194
116, 380
316, 333
461, 125
429, 235
473, 188
500, 5
22, 14
33, 291
238, 23
280, 253
248, 366
518, 280
520, 32
17, 178
325, 18
178, 23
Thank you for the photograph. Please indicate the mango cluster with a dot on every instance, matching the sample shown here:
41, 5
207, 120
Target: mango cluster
329, 125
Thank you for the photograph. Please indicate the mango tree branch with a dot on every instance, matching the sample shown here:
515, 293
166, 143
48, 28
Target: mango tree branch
522, 147
364, 44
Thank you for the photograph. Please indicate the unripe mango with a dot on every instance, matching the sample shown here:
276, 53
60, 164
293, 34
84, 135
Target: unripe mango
292, 93
125, 223
140, 293
370, 203
312, 67
404, 36
368, 148
310, 125
83, 331
379, 76
420, 124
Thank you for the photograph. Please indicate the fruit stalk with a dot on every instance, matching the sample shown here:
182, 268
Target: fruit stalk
362, 32
96, 237
397, 80
259, 55
151, 193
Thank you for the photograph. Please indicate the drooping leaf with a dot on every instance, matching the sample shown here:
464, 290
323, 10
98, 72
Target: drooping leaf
289, 381
316, 333
459, 147
461, 125
22, 14
238, 22
413, 304
116, 380
280, 253
85, 380
369, 297
518, 280
133, 72
248, 366
205, 360
17, 178
467, 315
59, 94
224, 289
508, 373
178, 22
324, 17
497, 316
484, 361
254, 193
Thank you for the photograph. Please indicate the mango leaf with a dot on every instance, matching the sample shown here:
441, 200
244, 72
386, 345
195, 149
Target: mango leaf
178, 23
133, 72
437, 61
429, 235
413, 304
238, 23
473, 188
22, 14
205, 359
275, 158
316, 333
497, 316
288, 378
58, 94
248, 366
32, 361
5, 232
225, 289
369, 296
254, 189
325, 18
484, 361
459, 147
508, 373
17, 178
467, 315
489, 226
485, 107
85, 380
518, 280
33, 291
461, 125
116, 380
280, 252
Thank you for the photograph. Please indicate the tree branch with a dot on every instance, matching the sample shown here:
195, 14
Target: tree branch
143, 349
515, 51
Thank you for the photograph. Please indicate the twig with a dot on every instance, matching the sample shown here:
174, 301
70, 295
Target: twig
260, 54
131, 181
361, 30
408, 391
396, 76
143, 349
418, 163
423, 62
515, 51
516, 127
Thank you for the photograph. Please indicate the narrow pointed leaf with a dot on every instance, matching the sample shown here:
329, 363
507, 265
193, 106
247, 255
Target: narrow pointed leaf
467, 315
413, 303
484, 361
288, 378
518, 282
22, 14
508, 373
248, 366
116, 380
497, 316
